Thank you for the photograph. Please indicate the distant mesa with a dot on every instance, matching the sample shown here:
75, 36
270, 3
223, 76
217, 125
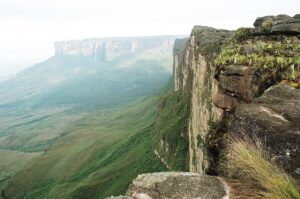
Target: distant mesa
107, 49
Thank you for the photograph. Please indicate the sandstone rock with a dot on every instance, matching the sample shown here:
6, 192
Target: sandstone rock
141, 196
107, 49
236, 83
289, 26
239, 80
208, 35
297, 16
224, 101
179, 185
280, 24
260, 20
178, 50
199, 84
274, 117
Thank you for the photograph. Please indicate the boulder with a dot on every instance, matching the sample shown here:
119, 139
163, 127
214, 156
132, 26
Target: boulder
280, 24
261, 20
274, 118
297, 16
289, 26
178, 185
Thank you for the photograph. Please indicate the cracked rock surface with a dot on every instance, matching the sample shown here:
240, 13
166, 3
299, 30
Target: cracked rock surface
275, 118
176, 185
179, 185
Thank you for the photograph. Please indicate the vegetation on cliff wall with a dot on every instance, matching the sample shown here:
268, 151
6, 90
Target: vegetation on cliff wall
101, 154
275, 58
171, 130
258, 176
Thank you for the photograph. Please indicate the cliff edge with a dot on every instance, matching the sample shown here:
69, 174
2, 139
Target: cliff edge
234, 84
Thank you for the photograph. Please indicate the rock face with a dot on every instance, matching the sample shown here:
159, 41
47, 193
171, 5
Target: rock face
255, 60
274, 118
216, 81
107, 49
238, 78
178, 50
277, 25
193, 75
236, 82
177, 185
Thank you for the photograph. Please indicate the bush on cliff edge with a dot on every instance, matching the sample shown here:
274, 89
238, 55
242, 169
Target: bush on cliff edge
258, 177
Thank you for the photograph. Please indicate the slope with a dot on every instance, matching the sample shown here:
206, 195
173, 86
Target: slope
102, 153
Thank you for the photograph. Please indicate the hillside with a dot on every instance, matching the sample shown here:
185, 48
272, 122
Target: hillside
101, 154
74, 96
91, 154
241, 93
227, 127
37, 104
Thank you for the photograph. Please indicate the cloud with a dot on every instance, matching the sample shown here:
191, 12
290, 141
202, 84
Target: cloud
29, 27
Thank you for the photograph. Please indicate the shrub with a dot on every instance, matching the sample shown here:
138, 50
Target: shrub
248, 162
241, 34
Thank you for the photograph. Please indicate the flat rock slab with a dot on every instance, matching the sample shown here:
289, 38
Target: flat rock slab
177, 185
281, 24
275, 119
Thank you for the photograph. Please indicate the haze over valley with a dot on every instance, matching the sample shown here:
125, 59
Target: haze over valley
149, 99
63, 99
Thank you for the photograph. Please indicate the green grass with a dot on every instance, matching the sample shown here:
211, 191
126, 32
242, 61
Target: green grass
89, 120
99, 155
170, 129
11, 162
260, 178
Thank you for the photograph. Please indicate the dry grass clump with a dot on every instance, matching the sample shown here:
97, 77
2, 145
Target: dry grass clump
258, 177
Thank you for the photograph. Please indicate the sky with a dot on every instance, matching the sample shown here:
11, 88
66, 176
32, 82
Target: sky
28, 28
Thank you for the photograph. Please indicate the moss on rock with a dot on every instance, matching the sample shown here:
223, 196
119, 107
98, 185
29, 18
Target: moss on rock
272, 59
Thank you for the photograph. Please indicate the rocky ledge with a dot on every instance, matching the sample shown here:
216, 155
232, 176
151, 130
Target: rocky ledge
176, 185
257, 58
274, 118
277, 25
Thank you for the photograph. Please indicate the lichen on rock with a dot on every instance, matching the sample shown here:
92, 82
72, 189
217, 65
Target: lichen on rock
194, 78
179, 185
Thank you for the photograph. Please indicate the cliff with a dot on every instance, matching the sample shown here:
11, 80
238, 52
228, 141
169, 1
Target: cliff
231, 85
217, 70
258, 84
194, 77
107, 49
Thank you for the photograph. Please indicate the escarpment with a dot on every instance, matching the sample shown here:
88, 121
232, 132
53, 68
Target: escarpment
221, 70
226, 85
195, 79
258, 76
242, 84
108, 49
229, 84
178, 50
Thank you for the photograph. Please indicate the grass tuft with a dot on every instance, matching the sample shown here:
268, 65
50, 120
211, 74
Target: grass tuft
260, 178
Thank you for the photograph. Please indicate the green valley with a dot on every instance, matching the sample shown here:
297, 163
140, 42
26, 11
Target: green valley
77, 127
